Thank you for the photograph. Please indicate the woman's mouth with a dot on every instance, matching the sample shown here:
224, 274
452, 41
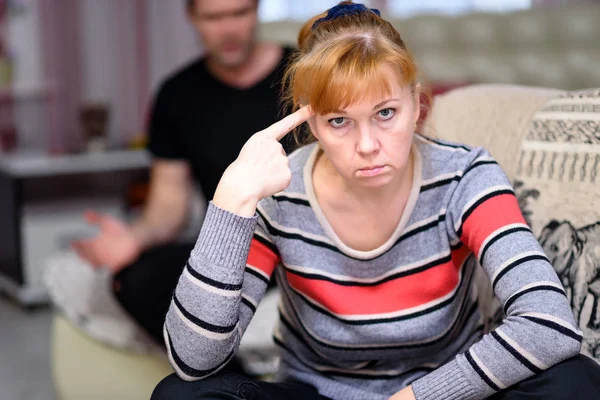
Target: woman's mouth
372, 170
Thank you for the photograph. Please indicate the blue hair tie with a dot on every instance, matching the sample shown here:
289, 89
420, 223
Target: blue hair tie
344, 9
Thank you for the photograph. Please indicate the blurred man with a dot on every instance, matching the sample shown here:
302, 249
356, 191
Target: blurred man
201, 118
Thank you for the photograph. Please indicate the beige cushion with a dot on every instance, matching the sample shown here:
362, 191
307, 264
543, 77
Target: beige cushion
83, 368
496, 117
558, 186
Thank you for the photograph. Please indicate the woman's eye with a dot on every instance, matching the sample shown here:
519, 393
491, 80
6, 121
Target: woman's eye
337, 122
386, 113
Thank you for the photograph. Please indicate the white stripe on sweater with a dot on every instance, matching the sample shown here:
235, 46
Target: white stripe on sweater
178, 370
258, 271
515, 258
200, 330
530, 357
486, 370
294, 231
552, 318
263, 235
209, 288
441, 177
533, 285
496, 233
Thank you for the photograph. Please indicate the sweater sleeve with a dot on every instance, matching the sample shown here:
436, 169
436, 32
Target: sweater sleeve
538, 329
218, 292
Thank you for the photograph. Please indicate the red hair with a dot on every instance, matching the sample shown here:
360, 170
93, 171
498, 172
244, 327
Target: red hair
343, 59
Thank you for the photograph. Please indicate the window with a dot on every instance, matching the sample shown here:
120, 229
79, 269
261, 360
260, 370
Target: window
277, 10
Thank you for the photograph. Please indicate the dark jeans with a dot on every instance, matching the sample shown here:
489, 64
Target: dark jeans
145, 288
575, 379
227, 385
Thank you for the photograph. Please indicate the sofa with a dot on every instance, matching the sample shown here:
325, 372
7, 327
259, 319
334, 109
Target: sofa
546, 46
542, 53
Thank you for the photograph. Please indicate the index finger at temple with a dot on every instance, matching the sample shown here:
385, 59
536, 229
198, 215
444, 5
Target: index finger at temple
279, 129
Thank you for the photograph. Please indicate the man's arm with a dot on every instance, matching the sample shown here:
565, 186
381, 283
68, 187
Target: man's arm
166, 210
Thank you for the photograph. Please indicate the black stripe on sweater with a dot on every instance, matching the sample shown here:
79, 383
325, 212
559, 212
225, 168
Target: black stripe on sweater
296, 334
515, 264
248, 304
480, 372
186, 369
530, 366
318, 243
392, 277
270, 245
257, 274
478, 163
457, 177
440, 183
349, 373
212, 282
358, 375
277, 232
474, 206
202, 324
499, 236
284, 198
444, 144
532, 289
557, 327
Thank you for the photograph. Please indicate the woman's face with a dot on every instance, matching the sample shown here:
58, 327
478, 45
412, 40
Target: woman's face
369, 142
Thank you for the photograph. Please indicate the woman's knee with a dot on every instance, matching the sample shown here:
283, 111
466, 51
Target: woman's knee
215, 386
168, 388
579, 371
575, 378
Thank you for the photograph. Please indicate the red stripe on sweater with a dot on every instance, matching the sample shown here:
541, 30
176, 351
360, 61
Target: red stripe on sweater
395, 295
488, 217
262, 257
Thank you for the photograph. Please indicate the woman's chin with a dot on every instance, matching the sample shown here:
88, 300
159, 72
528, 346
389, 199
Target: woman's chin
374, 182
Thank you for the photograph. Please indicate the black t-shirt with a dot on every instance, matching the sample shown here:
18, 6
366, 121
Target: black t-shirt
205, 122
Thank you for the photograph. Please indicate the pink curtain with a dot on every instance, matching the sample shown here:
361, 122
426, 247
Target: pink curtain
95, 51
60, 39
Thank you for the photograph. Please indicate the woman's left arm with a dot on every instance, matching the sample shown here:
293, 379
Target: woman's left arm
539, 329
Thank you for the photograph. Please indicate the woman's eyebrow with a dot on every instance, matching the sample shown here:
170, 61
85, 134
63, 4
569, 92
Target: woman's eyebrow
383, 103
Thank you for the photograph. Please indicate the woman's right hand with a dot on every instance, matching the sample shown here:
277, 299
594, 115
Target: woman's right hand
260, 170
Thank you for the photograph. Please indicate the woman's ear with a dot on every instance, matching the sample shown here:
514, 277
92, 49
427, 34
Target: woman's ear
417, 100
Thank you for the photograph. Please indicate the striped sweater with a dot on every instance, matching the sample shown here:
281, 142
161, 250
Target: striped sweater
365, 324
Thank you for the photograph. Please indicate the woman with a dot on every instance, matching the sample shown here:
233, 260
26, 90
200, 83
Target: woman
374, 233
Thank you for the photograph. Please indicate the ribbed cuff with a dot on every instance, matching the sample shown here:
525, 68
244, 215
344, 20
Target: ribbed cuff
447, 382
222, 247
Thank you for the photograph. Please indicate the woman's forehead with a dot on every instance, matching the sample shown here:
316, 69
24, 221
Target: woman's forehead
376, 97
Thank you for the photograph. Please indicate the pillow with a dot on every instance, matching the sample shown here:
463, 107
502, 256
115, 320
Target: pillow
558, 187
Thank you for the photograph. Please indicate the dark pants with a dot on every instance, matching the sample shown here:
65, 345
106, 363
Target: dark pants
227, 385
575, 379
145, 288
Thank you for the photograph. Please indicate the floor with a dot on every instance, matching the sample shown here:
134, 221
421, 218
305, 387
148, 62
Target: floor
24, 352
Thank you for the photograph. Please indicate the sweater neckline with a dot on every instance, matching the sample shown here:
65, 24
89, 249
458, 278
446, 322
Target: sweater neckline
322, 219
